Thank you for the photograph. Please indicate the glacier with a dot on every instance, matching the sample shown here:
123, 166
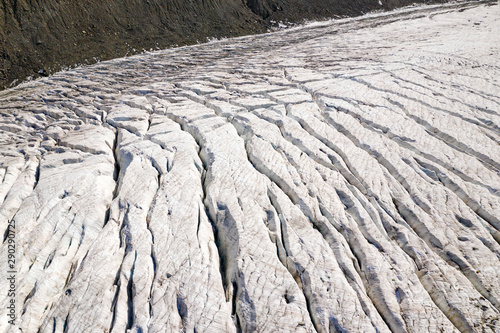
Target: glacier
342, 176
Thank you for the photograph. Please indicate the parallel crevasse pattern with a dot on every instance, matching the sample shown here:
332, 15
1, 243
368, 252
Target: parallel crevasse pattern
342, 176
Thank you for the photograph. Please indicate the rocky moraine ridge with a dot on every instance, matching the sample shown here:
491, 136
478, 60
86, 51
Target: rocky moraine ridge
339, 177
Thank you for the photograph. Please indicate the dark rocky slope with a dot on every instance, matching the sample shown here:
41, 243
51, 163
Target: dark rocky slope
40, 37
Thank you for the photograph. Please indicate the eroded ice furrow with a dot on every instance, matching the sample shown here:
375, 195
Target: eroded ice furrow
341, 176
464, 98
428, 233
236, 215
465, 91
469, 187
334, 215
390, 167
62, 227
339, 104
370, 94
184, 233
316, 303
